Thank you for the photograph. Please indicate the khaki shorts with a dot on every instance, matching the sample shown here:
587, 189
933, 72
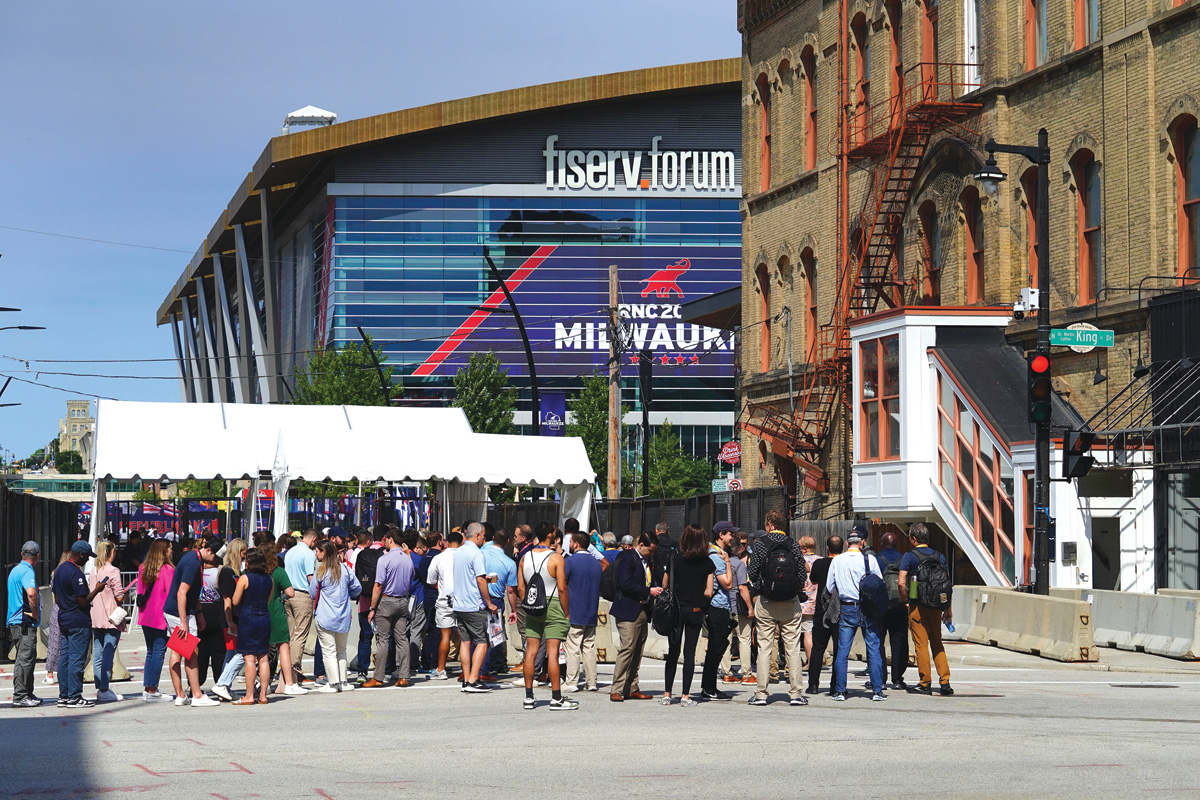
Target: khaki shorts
554, 625
806, 623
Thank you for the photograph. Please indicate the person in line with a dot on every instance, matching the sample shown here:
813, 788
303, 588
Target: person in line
824, 635
472, 604
663, 550
583, 585
300, 564
808, 546
105, 635
845, 573
441, 578
181, 609
631, 610
552, 626
153, 582
415, 544
611, 550
925, 621
389, 612
718, 619
778, 573
73, 602
53, 635
227, 580
365, 568
431, 545
280, 637
689, 575
24, 616
211, 650
333, 614
893, 629
740, 562
252, 595
497, 563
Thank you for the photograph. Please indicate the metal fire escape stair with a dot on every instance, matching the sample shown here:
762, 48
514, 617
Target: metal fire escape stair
867, 273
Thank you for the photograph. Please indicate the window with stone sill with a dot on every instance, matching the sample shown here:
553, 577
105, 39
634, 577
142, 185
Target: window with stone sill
879, 404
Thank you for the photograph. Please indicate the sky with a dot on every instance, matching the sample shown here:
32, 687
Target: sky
133, 122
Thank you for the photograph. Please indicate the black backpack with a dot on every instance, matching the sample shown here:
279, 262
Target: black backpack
891, 577
609, 587
535, 601
872, 593
780, 575
365, 566
934, 586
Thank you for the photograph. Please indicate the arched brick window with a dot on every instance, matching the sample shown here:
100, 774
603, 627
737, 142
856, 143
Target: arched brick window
931, 250
929, 47
764, 132
1088, 193
1087, 22
895, 14
862, 71
764, 316
808, 262
1029, 188
1035, 33
809, 60
972, 210
1187, 181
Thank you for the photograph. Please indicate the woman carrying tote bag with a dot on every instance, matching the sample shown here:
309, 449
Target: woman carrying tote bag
153, 583
105, 632
690, 579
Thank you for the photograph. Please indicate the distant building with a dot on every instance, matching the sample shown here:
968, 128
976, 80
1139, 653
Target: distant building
79, 420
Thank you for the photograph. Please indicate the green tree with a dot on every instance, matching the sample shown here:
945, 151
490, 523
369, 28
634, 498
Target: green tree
673, 473
69, 462
342, 376
481, 390
145, 495
589, 411
204, 489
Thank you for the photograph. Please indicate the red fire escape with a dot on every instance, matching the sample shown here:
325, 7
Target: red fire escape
928, 100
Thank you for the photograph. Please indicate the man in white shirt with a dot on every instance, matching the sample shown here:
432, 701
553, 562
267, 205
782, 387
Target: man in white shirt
441, 576
845, 573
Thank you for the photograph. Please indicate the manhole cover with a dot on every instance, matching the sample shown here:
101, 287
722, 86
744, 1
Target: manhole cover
1143, 686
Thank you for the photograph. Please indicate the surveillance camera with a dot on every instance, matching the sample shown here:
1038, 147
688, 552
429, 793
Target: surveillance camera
1019, 310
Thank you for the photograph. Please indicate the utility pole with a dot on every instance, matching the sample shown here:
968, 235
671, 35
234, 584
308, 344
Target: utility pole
645, 381
614, 388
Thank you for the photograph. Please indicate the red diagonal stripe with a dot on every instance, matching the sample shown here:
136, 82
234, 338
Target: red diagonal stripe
477, 317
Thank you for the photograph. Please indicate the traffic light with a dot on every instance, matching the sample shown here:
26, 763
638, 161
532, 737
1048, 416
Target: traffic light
1040, 390
1076, 446
645, 377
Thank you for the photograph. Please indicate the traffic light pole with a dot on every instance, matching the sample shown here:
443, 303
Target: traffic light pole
1040, 155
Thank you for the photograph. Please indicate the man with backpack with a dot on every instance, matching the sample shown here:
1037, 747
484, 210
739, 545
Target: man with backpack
858, 581
894, 628
925, 573
778, 573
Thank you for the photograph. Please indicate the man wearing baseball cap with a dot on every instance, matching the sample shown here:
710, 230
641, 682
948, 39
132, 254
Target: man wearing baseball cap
73, 602
23, 618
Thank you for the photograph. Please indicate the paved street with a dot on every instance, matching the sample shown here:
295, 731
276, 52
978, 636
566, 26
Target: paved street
1033, 730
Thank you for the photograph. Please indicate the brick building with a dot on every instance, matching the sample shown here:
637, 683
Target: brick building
1116, 85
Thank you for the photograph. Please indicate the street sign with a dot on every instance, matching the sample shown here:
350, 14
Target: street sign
720, 485
735, 485
731, 453
1081, 337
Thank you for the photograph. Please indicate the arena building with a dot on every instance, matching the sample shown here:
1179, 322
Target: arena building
386, 224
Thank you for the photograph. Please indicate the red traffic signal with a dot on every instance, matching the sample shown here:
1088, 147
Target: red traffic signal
1040, 388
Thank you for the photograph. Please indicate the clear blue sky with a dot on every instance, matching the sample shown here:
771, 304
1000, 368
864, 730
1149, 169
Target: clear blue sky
133, 121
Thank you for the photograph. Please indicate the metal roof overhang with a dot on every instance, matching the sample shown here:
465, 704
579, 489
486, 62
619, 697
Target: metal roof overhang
722, 310
286, 160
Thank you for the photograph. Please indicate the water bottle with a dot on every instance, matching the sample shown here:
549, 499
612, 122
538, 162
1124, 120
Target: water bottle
950, 626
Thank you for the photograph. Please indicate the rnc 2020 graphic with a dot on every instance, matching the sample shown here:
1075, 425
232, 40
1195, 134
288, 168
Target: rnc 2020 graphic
562, 294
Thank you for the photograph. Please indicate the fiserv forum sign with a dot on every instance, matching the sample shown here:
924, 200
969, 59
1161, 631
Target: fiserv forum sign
652, 169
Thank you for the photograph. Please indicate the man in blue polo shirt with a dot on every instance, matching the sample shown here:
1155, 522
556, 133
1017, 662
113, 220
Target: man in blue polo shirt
73, 603
180, 610
24, 614
505, 583
583, 591
300, 565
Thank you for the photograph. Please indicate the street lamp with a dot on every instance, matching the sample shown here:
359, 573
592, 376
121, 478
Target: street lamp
990, 177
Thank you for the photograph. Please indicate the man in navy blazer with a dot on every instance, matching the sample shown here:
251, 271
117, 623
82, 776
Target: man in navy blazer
631, 610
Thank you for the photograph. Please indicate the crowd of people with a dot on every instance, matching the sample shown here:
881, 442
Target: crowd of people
433, 605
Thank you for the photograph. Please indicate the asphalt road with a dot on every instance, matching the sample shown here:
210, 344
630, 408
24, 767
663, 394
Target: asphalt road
1007, 732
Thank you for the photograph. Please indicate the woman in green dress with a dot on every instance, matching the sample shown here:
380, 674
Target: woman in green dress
279, 625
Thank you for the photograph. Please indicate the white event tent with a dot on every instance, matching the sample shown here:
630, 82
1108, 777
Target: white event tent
211, 441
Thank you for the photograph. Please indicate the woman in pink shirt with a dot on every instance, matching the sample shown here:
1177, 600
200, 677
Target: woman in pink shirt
153, 584
105, 635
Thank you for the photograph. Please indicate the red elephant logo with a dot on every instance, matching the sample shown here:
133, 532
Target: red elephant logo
665, 281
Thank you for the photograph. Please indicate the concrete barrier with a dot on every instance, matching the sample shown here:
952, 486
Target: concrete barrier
1165, 624
1051, 627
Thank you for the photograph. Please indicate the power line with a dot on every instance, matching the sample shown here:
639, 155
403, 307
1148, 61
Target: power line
97, 241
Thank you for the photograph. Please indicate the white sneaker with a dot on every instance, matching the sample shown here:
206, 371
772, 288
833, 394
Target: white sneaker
347, 687
326, 689
438, 675
108, 696
569, 689
203, 701
295, 689
181, 700
153, 697
49, 680
223, 693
